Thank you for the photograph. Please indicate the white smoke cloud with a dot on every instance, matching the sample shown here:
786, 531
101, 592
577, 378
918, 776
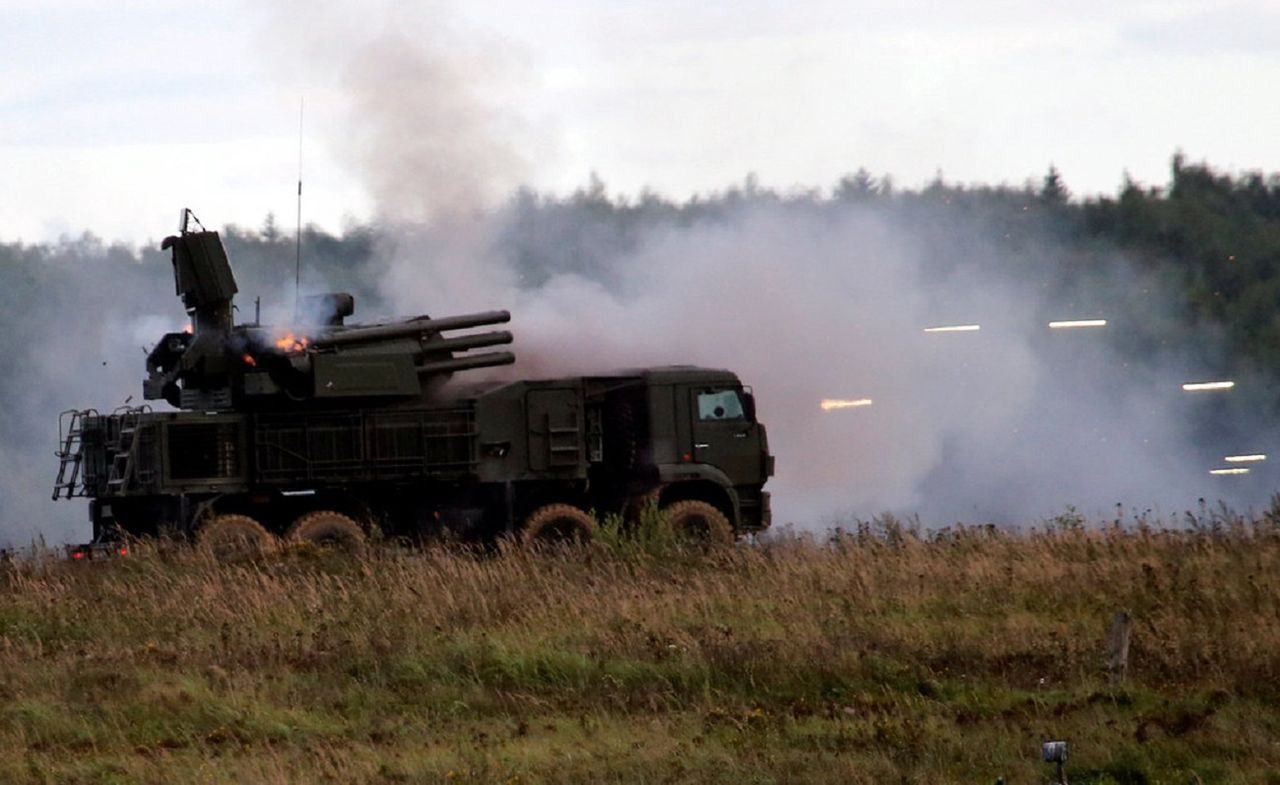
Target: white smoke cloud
86, 328
1007, 424
805, 300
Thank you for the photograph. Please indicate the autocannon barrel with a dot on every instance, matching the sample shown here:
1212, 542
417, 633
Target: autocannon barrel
464, 342
410, 328
488, 360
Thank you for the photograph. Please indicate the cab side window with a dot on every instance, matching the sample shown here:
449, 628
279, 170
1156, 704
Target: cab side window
720, 405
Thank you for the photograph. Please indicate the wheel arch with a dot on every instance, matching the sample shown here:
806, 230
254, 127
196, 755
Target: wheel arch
340, 500
704, 487
531, 496
277, 511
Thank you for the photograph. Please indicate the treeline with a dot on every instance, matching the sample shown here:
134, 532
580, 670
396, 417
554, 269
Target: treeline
1193, 264
1190, 268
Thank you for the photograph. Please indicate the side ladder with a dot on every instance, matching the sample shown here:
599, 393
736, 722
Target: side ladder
71, 455
121, 471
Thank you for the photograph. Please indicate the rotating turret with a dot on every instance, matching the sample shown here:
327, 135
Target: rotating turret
217, 365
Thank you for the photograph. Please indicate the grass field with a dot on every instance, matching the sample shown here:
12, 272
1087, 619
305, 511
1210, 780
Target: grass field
882, 656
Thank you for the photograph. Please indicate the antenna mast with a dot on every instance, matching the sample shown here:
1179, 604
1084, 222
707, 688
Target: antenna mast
297, 245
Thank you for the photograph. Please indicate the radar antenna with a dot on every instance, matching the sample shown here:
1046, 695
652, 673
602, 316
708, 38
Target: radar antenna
297, 242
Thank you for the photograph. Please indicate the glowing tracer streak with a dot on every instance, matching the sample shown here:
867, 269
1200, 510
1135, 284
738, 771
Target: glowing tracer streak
1077, 323
954, 328
834, 403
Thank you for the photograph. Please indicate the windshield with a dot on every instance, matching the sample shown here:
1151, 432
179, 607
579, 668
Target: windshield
720, 405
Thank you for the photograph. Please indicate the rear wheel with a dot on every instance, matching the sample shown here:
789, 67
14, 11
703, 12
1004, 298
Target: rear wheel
235, 536
700, 522
556, 524
328, 529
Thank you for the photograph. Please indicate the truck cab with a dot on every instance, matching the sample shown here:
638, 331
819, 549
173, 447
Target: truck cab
707, 443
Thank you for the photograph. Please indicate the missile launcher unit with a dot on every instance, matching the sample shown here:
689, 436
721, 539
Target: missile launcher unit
220, 366
330, 432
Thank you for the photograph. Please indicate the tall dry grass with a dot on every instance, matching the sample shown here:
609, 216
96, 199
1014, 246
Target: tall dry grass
879, 652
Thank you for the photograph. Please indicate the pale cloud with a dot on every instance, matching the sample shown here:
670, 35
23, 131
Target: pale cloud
172, 104
1232, 29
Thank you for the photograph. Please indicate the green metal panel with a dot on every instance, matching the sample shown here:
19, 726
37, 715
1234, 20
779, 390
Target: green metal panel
358, 375
664, 422
555, 429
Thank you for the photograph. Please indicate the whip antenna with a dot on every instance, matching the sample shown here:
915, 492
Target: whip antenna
297, 243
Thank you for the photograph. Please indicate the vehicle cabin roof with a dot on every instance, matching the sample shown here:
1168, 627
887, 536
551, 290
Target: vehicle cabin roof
675, 374
668, 374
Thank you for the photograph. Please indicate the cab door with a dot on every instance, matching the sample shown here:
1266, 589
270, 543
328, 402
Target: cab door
725, 434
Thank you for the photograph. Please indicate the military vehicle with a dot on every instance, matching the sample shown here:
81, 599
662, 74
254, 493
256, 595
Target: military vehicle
328, 432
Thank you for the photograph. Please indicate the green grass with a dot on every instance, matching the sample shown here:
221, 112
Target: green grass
883, 656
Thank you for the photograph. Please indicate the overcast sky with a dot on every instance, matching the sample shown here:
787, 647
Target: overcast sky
113, 115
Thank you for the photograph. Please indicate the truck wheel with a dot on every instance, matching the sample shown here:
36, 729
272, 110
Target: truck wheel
329, 529
235, 536
554, 524
697, 521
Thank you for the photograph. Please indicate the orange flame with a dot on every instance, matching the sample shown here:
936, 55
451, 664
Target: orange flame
249, 361
293, 343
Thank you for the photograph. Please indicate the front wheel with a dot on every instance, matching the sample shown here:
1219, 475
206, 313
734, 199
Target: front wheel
699, 522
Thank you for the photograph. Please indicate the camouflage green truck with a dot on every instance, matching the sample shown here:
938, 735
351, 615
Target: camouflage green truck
327, 431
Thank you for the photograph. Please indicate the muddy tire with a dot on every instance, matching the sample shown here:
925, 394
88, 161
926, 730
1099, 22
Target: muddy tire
230, 537
699, 522
557, 524
327, 529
